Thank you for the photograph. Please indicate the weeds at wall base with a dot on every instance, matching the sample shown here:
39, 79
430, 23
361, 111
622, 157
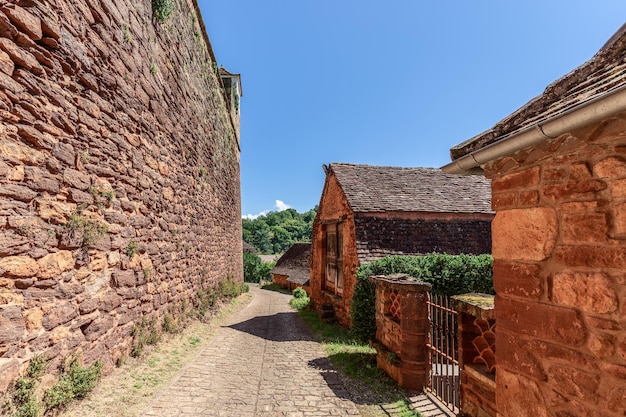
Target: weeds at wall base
75, 382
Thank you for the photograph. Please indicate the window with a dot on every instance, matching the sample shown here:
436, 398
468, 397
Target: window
333, 268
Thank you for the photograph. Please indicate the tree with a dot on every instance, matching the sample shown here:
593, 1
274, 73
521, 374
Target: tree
278, 230
254, 269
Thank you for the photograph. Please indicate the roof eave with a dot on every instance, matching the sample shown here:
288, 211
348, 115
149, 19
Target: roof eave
605, 105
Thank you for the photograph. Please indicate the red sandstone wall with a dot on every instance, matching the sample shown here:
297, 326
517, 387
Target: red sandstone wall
114, 136
280, 280
333, 205
559, 271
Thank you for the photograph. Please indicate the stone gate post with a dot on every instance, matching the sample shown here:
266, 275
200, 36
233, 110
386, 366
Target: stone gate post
403, 329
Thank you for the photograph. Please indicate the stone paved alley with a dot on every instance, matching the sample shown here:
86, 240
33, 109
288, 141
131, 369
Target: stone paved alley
262, 362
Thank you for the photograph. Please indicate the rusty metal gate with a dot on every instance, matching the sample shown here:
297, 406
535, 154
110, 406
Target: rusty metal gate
444, 374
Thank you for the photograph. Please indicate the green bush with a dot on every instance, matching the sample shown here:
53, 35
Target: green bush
300, 303
162, 9
448, 274
229, 288
254, 269
75, 383
299, 293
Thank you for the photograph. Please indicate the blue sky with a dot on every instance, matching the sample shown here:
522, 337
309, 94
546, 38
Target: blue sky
385, 83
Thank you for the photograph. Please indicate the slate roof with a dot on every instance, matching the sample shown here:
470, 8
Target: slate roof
604, 72
248, 248
382, 189
295, 263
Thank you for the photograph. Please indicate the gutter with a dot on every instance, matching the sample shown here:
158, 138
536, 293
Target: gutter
600, 107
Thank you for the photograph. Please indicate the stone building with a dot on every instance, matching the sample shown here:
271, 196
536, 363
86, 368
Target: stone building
119, 176
369, 212
292, 270
558, 171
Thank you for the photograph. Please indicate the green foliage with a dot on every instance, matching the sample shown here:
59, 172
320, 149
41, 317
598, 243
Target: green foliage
276, 231
301, 299
229, 288
126, 33
299, 293
358, 361
300, 303
144, 333
206, 300
24, 389
75, 383
448, 274
23, 402
153, 66
31, 408
36, 367
162, 9
132, 248
169, 325
91, 231
254, 269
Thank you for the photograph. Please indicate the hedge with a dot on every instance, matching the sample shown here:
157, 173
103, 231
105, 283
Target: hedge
448, 274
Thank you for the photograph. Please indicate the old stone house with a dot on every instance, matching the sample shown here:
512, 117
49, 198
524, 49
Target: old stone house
292, 269
369, 212
119, 176
558, 171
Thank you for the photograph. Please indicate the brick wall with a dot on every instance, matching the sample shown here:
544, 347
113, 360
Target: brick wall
559, 259
119, 175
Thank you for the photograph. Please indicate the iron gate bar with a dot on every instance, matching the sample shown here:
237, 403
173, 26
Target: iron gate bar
444, 375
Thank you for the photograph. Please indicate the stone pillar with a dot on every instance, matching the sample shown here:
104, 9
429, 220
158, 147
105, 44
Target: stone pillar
403, 329
477, 360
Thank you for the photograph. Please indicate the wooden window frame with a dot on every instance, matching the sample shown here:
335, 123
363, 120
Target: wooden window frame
333, 281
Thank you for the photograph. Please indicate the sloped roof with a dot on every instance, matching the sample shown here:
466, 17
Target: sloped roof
604, 72
295, 263
371, 188
248, 248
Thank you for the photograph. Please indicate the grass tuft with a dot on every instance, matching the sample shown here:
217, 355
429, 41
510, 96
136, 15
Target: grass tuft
357, 361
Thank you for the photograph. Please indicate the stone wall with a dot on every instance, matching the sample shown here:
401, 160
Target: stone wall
333, 207
422, 233
476, 332
119, 175
403, 330
559, 260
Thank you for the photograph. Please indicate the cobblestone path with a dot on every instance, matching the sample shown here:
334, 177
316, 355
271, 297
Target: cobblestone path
263, 362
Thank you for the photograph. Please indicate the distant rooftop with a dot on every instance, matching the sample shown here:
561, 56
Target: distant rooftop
383, 189
295, 263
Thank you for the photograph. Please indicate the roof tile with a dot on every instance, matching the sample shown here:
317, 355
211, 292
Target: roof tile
371, 188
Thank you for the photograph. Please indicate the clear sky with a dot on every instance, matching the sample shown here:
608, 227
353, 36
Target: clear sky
394, 82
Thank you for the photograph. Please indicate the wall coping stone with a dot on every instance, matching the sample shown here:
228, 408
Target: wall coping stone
475, 304
404, 281
481, 374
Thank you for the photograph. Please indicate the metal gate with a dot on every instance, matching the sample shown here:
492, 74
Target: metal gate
444, 375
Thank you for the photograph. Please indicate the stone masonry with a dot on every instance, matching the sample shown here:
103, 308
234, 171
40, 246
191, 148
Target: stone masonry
119, 175
403, 330
559, 257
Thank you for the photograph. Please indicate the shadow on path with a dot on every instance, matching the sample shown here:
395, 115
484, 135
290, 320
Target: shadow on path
279, 327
